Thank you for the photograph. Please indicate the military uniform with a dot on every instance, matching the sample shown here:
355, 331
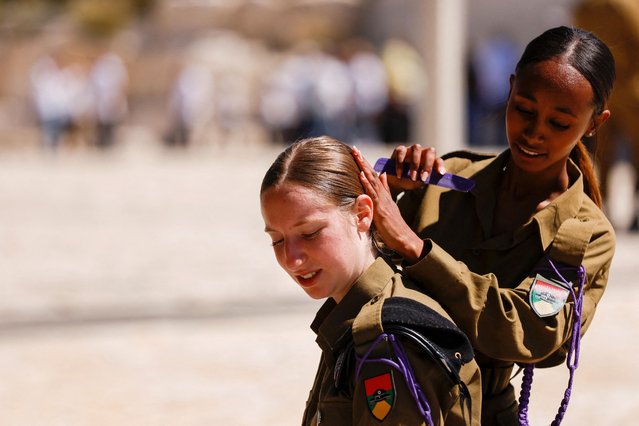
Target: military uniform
484, 281
348, 391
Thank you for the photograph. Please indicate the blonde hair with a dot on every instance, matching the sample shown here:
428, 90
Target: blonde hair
325, 166
322, 164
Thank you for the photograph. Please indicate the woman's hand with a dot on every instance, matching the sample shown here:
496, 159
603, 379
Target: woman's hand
388, 220
421, 160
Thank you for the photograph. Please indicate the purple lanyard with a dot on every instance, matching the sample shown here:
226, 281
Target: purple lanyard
403, 366
572, 358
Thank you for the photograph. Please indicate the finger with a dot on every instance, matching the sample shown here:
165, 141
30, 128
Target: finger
429, 158
368, 188
364, 166
383, 178
426, 167
415, 161
399, 155
439, 165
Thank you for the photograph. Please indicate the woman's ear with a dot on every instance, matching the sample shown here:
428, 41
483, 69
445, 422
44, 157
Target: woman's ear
599, 121
363, 210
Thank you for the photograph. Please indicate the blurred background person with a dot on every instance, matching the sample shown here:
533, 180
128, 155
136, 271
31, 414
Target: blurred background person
59, 94
492, 60
407, 79
617, 23
333, 103
191, 103
108, 80
286, 96
370, 88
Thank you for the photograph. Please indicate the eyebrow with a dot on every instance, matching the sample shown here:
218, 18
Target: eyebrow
566, 111
301, 222
560, 109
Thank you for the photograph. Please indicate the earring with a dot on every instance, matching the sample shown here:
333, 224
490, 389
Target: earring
591, 134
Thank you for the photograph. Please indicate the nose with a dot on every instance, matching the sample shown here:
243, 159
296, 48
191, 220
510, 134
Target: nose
294, 255
533, 130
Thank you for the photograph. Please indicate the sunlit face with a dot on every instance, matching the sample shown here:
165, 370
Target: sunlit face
549, 109
323, 248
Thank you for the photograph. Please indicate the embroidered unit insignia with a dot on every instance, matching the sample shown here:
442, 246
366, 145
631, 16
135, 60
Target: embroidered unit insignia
380, 394
547, 296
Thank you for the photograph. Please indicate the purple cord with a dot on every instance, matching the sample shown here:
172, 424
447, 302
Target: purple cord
404, 367
571, 362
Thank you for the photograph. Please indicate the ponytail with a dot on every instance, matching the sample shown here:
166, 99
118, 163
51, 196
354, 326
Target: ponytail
581, 158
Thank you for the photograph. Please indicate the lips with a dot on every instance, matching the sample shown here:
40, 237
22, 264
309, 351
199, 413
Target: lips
529, 152
307, 279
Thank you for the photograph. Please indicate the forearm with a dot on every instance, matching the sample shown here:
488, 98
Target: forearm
499, 321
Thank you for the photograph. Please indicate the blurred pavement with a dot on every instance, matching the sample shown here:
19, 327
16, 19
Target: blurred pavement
137, 287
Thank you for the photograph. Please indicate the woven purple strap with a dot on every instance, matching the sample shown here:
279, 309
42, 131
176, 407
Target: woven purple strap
403, 366
572, 358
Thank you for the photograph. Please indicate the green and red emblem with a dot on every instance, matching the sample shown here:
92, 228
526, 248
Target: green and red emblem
547, 296
380, 394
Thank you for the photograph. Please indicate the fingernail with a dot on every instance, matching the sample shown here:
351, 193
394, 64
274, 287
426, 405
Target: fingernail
413, 175
441, 170
424, 175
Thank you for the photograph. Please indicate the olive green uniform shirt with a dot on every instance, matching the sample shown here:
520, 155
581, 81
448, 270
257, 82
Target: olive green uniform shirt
359, 315
483, 280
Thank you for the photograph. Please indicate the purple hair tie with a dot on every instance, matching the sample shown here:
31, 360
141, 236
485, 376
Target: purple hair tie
572, 358
403, 366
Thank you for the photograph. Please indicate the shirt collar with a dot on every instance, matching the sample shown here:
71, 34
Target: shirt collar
333, 321
565, 206
487, 173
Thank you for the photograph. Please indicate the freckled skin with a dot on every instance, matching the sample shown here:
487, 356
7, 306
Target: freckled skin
312, 235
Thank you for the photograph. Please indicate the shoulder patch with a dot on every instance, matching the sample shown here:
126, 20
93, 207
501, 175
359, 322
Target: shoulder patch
547, 296
380, 394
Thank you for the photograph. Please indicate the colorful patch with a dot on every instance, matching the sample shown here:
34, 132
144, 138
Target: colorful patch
547, 296
380, 394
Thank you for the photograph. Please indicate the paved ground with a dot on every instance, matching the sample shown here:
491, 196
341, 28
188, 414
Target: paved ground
137, 288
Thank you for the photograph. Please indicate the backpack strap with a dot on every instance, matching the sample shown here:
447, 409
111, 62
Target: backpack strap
382, 328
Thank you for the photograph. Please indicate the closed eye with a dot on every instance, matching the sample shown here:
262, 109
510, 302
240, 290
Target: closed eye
277, 242
523, 110
559, 125
311, 235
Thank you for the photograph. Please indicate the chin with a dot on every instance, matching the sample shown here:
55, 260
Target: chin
315, 295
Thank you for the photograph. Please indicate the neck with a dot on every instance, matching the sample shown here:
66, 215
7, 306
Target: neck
545, 184
367, 262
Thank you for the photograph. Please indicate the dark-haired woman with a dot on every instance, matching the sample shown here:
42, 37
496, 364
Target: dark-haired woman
521, 261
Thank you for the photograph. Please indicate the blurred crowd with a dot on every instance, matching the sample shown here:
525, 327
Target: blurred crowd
225, 88
355, 92
68, 96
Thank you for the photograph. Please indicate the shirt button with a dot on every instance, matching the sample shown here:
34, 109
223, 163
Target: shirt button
375, 299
